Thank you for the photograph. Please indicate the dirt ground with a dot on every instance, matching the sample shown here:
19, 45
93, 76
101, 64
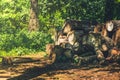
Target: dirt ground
43, 70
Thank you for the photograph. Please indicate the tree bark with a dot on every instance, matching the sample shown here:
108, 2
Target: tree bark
33, 22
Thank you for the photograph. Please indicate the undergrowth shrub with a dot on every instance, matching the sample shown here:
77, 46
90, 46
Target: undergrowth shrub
24, 42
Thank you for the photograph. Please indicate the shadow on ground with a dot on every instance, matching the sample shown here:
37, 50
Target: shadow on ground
51, 70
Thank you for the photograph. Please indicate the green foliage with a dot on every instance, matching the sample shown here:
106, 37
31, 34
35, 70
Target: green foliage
73, 9
117, 9
52, 13
15, 14
117, 0
23, 42
3, 53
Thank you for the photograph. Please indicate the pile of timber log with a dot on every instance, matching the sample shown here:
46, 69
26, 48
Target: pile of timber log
67, 40
110, 29
79, 28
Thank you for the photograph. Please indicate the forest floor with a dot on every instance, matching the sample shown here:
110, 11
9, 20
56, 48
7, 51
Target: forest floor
44, 70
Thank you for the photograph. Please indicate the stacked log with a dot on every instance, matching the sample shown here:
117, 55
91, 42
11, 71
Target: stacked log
114, 55
110, 29
68, 40
68, 37
80, 27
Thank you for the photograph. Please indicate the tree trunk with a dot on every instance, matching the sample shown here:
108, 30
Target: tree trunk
33, 22
109, 10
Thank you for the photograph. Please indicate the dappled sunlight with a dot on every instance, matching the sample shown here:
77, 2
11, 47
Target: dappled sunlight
59, 40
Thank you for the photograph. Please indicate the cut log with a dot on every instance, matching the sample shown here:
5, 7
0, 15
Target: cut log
84, 25
25, 59
116, 23
68, 53
114, 54
17, 60
7, 61
49, 49
60, 37
74, 36
98, 28
112, 30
